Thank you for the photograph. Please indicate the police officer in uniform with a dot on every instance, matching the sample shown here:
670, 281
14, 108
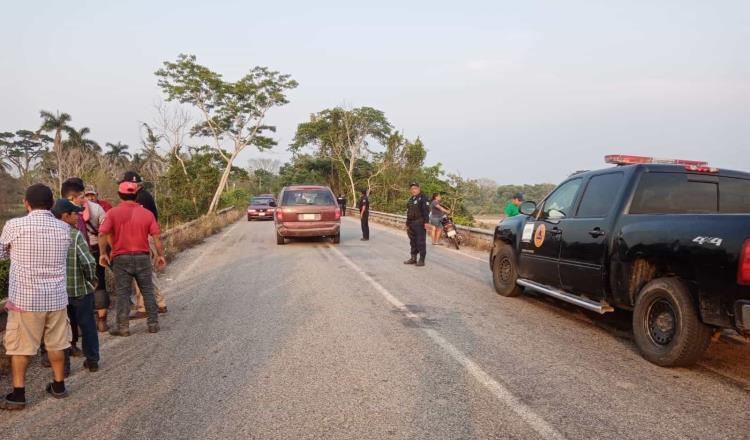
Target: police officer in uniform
341, 200
364, 215
417, 219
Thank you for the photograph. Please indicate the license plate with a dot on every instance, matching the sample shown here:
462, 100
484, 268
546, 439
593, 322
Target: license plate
451, 234
261, 213
309, 217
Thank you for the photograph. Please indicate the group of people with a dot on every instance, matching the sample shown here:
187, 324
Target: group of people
421, 214
57, 290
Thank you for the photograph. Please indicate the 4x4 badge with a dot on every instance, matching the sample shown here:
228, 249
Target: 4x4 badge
541, 231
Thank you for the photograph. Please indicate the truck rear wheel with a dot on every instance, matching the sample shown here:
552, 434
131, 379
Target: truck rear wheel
280, 238
666, 325
505, 273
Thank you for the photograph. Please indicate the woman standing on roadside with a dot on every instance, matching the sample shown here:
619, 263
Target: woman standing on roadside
436, 214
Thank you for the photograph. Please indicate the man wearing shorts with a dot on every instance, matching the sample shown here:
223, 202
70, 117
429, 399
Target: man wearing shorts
37, 246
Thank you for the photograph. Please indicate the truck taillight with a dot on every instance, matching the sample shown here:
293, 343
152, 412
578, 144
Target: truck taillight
743, 270
338, 213
279, 215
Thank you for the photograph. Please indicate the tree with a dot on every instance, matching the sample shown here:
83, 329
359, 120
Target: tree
58, 124
266, 164
232, 111
173, 125
117, 156
151, 163
79, 139
22, 151
342, 135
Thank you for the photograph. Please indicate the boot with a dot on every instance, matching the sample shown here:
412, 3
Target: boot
120, 332
412, 260
420, 263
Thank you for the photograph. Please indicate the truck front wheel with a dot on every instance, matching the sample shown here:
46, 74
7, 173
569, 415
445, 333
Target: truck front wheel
505, 272
666, 325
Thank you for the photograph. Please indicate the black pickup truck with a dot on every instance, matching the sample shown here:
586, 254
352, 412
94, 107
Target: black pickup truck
668, 240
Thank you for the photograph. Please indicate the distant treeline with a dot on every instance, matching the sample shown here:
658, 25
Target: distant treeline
487, 197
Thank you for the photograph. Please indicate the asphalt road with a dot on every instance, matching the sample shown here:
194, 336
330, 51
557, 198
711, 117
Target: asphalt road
312, 340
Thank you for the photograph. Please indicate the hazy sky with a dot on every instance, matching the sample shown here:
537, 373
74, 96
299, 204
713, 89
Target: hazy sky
516, 91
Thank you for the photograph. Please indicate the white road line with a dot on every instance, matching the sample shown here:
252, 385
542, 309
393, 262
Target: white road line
527, 414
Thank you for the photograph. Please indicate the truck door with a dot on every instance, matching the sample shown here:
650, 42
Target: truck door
540, 242
585, 239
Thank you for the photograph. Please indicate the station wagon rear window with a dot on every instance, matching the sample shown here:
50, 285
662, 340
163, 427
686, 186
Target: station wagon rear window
307, 197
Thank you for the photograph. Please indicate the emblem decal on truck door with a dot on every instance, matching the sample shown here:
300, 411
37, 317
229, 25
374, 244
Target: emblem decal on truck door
541, 231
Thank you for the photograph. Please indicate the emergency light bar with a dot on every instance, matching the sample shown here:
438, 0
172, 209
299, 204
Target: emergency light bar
622, 159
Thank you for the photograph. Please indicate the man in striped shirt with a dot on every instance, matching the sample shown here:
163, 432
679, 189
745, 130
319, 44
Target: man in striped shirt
37, 246
81, 279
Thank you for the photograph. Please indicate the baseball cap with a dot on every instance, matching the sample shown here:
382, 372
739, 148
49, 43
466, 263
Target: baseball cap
413, 184
63, 206
126, 187
518, 196
89, 190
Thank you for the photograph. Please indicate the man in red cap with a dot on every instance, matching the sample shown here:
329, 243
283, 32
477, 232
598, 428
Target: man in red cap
127, 228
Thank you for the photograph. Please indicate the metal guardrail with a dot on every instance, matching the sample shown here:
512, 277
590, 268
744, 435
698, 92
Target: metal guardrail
476, 237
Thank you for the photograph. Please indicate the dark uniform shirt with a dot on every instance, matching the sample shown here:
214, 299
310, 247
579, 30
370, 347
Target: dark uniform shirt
418, 209
364, 202
145, 199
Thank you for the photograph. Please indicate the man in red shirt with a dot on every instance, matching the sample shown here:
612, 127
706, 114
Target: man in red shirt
127, 228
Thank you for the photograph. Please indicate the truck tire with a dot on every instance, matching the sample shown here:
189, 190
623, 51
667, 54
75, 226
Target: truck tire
337, 238
666, 325
280, 238
505, 273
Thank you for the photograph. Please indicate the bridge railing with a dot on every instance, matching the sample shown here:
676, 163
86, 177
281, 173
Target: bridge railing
474, 237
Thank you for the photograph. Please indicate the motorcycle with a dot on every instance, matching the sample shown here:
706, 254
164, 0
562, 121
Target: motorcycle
450, 231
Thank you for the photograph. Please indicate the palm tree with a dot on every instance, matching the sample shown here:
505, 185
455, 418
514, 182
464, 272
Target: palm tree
151, 163
57, 123
78, 139
118, 156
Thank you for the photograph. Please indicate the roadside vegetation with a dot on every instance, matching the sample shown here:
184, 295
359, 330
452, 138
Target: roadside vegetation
188, 152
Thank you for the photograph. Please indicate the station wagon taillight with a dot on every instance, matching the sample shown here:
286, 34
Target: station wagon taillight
338, 213
279, 215
743, 270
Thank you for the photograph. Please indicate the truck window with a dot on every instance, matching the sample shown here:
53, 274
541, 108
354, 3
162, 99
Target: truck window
560, 202
674, 193
600, 195
734, 195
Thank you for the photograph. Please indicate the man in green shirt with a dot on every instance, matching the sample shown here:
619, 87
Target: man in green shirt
511, 209
81, 279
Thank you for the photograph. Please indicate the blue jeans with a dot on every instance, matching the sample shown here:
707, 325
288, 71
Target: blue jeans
82, 309
136, 267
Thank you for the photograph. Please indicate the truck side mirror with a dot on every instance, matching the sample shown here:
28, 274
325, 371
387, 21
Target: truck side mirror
527, 207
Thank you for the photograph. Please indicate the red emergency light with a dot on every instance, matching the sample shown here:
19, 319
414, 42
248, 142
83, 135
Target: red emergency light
623, 159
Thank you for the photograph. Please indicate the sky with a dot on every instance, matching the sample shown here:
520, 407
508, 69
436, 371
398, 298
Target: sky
514, 91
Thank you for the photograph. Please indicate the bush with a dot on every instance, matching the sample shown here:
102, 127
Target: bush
4, 274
